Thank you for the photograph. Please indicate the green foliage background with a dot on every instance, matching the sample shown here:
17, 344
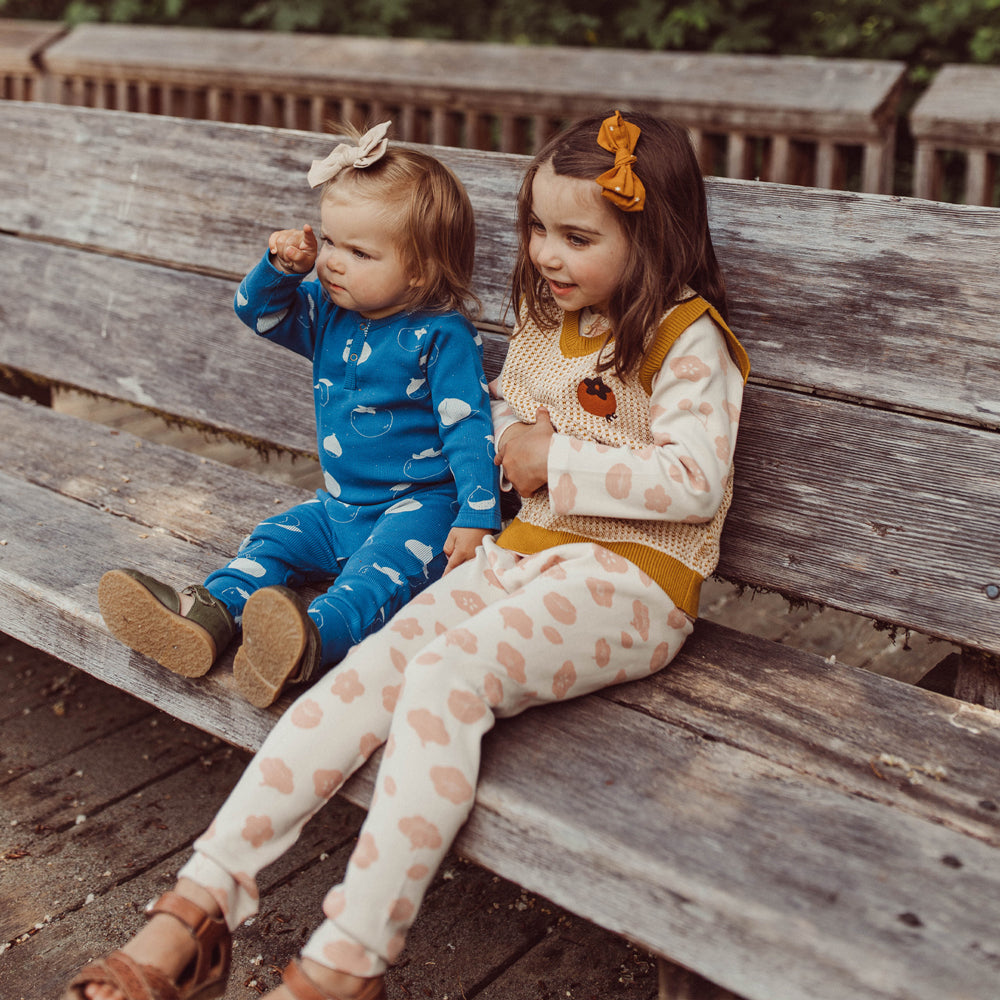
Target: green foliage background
923, 33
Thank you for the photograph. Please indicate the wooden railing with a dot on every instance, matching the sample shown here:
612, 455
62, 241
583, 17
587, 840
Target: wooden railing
22, 45
959, 116
828, 123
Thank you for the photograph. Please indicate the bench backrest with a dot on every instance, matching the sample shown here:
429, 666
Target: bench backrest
866, 463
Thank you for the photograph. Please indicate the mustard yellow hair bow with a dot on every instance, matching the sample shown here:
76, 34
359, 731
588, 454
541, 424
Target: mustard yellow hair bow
620, 184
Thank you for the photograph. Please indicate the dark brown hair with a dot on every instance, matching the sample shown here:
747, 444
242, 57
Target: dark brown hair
432, 218
670, 246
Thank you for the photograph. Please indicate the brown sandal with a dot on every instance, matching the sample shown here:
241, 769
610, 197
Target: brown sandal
303, 988
204, 978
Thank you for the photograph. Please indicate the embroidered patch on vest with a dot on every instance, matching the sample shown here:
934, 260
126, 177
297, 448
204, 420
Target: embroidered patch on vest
598, 398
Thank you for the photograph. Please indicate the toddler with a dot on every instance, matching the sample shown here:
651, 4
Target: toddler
403, 422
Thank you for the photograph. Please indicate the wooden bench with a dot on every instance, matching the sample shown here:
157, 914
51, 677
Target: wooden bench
782, 826
790, 119
959, 114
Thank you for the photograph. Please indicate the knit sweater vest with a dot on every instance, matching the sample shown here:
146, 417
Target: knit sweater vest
542, 369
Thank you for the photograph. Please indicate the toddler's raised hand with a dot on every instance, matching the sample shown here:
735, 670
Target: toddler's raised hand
294, 250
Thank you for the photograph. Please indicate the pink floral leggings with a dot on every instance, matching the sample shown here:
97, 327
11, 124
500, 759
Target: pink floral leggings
497, 635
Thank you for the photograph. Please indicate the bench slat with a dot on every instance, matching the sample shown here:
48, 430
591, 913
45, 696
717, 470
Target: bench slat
795, 259
97, 179
908, 548
878, 513
832, 724
636, 837
781, 886
165, 339
892, 301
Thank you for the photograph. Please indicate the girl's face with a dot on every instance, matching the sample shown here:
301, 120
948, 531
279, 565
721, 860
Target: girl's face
577, 242
359, 264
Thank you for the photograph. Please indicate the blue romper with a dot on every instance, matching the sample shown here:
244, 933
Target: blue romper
405, 446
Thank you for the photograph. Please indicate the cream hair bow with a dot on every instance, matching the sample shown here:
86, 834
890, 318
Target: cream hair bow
371, 146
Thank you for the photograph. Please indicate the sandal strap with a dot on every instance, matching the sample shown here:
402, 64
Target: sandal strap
213, 954
133, 981
303, 988
212, 937
212, 615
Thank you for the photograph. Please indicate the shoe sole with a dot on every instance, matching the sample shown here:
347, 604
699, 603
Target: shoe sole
274, 638
136, 618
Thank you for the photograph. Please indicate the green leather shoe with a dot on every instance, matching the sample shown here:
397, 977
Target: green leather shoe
145, 614
281, 645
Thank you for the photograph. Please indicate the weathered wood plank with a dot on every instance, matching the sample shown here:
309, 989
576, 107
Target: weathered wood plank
869, 511
205, 367
93, 714
239, 184
959, 109
906, 548
135, 834
819, 280
844, 98
886, 300
854, 730
853, 876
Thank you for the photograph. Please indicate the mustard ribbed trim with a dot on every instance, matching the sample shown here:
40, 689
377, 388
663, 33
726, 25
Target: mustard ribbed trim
682, 584
572, 343
674, 324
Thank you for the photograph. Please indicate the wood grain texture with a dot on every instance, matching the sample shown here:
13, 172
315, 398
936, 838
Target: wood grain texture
879, 513
804, 96
749, 791
786, 827
959, 108
865, 297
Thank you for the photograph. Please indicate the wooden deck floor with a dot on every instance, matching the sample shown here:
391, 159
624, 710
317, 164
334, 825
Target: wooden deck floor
101, 796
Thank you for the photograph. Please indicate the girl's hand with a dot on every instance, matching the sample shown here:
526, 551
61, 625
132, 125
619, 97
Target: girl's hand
461, 545
294, 250
524, 453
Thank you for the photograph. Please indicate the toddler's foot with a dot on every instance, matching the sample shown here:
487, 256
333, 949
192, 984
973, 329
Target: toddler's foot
305, 979
281, 644
183, 632
184, 951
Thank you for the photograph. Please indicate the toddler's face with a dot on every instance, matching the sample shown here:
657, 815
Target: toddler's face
577, 242
359, 263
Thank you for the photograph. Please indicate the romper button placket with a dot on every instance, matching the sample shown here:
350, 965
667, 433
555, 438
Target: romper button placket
351, 375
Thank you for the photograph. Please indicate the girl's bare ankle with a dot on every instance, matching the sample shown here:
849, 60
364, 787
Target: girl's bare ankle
341, 984
198, 895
